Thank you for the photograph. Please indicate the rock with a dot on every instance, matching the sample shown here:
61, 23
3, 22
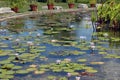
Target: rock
6, 10
83, 6
58, 7
98, 5
44, 7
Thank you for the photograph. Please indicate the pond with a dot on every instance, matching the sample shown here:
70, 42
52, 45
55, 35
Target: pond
57, 47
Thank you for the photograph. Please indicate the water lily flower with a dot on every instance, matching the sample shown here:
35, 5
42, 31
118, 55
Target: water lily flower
105, 34
17, 40
30, 43
53, 40
69, 75
16, 56
92, 47
71, 26
77, 78
58, 61
82, 37
92, 44
38, 34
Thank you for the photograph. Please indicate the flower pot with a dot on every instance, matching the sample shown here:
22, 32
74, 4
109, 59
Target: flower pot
71, 5
92, 5
15, 9
33, 7
50, 6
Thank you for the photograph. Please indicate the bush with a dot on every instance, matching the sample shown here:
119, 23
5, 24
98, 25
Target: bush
82, 1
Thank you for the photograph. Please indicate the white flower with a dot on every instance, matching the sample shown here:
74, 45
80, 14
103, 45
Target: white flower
16, 54
82, 37
30, 43
17, 40
10, 38
53, 40
69, 74
58, 61
105, 34
71, 26
92, 44
77, 78
38, 34
92, 47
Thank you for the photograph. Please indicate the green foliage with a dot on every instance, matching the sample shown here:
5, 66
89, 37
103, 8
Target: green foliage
111, 9
93, 17
32, 1
82, 1
50, 1
92, 1
16, 3
70, 1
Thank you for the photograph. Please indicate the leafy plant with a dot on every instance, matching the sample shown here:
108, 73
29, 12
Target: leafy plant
82, 1
32, 1
111, 9
50, 1
70, 1
92, 2
16, 3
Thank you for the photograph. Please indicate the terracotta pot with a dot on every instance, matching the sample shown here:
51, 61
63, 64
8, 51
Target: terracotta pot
71, 5
50, 6
92, 5
33, 7
15, 9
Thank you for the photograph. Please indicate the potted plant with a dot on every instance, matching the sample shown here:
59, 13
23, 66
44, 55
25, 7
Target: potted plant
33, 5
92, 3
71, 3
50, 4
16, 4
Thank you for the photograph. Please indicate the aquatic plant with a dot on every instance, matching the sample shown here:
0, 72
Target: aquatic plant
77, 78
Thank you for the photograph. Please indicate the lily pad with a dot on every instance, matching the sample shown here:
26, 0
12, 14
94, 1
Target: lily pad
91, 70
82, 60
22, 71
96, 62
39, 72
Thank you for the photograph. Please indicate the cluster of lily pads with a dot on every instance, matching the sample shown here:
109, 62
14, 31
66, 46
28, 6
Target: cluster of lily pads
32, 52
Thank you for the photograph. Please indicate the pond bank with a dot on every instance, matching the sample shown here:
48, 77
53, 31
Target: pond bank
18, 15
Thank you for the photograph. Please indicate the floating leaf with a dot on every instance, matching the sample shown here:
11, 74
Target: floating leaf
91, 70
96, 62
82, 60
22, 71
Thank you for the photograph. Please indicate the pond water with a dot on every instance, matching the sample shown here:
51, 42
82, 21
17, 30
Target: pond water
48, 47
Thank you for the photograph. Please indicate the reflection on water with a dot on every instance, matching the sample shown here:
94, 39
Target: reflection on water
67, 38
